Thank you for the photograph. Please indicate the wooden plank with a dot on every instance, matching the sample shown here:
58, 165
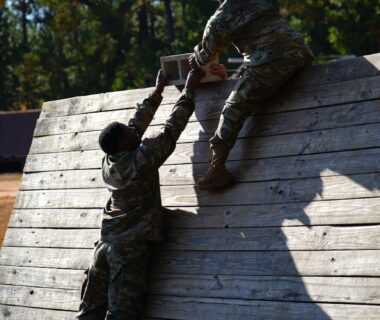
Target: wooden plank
41, 277
129, 99
292, 289
255, 263
48, 298
269, 124
335, 212
270, 263
222, 309
312, 96
282, 191
51, 238
312, 76
208, 109
337, 71
330, 94
274, 288
320, 238
286, 238
341, 139
292, 167
64, 161
57, 218
46, 257
92, 160
22, 313
304, 166
243, 239
358, 137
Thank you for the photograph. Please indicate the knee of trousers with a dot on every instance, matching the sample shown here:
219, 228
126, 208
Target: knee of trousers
230, 123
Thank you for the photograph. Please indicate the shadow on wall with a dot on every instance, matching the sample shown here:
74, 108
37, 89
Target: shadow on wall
283, 188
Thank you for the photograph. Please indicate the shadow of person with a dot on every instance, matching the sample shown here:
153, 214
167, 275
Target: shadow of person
275, 187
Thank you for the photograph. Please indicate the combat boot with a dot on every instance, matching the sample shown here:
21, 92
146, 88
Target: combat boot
217, 175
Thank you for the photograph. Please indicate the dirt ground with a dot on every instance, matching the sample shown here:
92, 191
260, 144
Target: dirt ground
9, 184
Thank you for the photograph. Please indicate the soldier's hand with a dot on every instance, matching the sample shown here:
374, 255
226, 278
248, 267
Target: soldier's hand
161, 81
194, 78
219, 70
193, 61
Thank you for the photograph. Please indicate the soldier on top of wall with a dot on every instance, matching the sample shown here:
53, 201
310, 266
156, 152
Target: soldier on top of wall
276, 51
132, 218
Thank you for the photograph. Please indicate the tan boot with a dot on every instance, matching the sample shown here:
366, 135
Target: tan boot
217, 175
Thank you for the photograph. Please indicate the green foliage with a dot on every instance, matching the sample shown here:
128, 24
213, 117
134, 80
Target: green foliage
337, 27
53, 49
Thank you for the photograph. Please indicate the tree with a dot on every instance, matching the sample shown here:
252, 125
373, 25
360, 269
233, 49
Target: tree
54, 49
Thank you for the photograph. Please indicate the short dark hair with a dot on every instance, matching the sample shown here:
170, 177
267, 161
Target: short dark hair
110, 137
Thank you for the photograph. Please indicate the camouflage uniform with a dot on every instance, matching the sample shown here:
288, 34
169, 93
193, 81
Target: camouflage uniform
132, 217
275, 49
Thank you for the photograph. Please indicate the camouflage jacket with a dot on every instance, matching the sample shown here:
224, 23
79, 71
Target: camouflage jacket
134, 210
257, 30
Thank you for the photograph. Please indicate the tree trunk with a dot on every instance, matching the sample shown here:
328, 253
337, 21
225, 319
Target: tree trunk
183, 2
152, 21
24, 22
169, 20
143, 23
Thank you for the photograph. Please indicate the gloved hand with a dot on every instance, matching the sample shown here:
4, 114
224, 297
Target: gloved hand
193, 61
161, 81
194, 78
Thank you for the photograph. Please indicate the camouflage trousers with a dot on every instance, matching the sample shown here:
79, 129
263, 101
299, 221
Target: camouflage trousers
257, 85
116, 280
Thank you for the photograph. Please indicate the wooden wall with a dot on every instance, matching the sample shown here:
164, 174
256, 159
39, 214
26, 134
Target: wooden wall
297, 237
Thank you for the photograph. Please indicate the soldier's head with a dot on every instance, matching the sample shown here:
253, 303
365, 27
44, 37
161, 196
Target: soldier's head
117, 137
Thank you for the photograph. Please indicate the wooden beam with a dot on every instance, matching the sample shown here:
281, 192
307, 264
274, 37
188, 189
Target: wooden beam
255, 263
270, 120
315, 76
47, 298
245, 239
274, 288
334, 212
63, 161
57, 218
281, 191
41, 277
293, 167
332, 140
222, 309
46, 257
291, 289
22, 313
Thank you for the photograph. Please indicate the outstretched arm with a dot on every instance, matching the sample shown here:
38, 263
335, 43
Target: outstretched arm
146, 110
154, 151
217, 36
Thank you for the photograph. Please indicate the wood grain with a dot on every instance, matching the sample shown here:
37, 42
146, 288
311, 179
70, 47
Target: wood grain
280, 191
45, 257
271, 119
255, 263
334, 212
48, 298
222, 309
243, 239
41, 277
293, 167
22, 313
292, 289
